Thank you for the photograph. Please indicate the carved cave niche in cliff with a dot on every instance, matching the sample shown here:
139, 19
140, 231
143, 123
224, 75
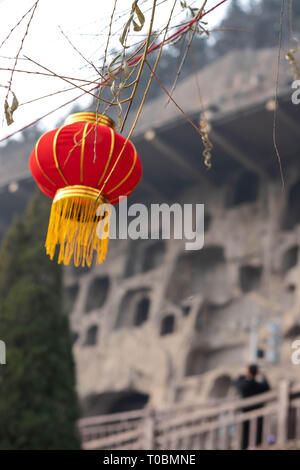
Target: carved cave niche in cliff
197, 272
69, 296
201, 321
92, 335
213, 318
195, 362
245, 190
232, 316
250, 277
144, 255
224, 357
200, 361
186, 309
293, 332
221, 386
74, 337
153, 255
114, 402
78, 271
290, 259
167, 325
134, 260
207, 220
206, 317
134, 308
141, 311
97, 293
291, 216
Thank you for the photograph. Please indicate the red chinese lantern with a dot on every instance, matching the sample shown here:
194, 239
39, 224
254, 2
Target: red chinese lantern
80, 165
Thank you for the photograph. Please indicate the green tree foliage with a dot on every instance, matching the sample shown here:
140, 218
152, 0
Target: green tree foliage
38, 403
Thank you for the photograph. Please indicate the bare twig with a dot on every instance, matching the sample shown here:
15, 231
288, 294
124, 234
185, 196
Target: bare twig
61, 77
199, 131
17, 24
204, 126
6, 106
198, 16
276, 95
81, 55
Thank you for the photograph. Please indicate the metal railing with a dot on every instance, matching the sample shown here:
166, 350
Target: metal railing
219, 426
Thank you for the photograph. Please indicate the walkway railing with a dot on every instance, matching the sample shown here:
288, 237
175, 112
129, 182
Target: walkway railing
220, 426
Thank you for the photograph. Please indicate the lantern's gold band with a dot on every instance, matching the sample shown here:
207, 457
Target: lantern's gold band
85, 192
90, 117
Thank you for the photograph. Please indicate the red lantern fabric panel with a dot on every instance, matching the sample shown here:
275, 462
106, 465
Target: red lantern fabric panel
66, 157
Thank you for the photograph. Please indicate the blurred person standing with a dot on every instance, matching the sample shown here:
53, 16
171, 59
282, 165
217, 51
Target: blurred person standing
248, 386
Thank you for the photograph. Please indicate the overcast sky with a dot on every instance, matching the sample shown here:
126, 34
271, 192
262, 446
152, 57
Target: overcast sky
86, 25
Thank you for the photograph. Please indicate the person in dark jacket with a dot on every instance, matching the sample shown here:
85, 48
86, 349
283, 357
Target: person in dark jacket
248, 386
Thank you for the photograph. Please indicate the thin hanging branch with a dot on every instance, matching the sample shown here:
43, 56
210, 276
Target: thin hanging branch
202, 133
276, 94
9, 110
81, 55
61, 77
204, 126
18, 24
192, 35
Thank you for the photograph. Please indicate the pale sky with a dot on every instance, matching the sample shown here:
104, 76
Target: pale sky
86, 25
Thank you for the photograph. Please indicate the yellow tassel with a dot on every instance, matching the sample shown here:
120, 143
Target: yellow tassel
72, 226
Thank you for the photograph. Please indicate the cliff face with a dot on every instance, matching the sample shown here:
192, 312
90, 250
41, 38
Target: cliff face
176, 324
157, 323
173, 325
